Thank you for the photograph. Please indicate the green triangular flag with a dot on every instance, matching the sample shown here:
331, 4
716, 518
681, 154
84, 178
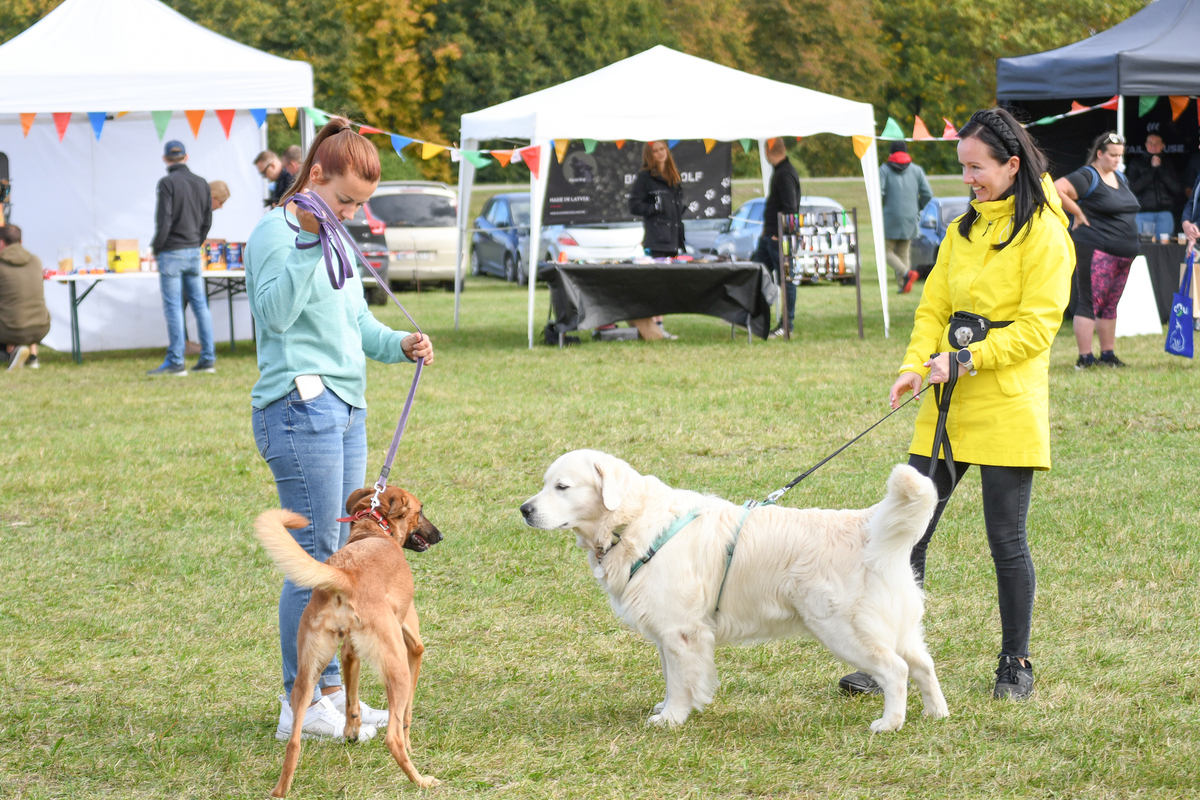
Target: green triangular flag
161, 118
589, 145
746, 145
475, 157
1146, 103
318, 117
892, 130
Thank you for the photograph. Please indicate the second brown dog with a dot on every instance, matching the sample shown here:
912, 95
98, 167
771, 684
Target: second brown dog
363, 598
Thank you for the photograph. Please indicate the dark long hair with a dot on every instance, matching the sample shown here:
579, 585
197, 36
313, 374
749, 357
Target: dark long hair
339, 149
1005, 138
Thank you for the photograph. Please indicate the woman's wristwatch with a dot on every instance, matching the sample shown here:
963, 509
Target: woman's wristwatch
964, 360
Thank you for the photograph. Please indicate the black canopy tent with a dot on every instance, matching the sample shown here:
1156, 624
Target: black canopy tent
1156, 52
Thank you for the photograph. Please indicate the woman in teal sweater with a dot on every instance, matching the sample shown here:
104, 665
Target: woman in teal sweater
309, 410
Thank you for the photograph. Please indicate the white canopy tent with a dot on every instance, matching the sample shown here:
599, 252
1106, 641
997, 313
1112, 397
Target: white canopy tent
665, 94
133, 56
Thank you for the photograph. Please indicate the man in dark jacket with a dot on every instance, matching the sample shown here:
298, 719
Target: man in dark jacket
24, 319
182, 220
783, 197
1155, 183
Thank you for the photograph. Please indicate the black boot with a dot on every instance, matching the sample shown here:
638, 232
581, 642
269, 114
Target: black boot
1013, 681
859, 683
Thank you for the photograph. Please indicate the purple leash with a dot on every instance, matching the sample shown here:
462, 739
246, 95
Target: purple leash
332, 237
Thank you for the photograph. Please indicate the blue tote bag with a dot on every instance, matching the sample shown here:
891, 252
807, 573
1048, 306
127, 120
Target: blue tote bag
1179, 325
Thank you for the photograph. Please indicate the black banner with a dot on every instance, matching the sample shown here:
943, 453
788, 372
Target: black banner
591, 188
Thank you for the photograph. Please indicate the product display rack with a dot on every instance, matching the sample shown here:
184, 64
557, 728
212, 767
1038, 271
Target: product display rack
819, 247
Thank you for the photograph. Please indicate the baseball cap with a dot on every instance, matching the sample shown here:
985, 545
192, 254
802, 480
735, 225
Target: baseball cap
174, 148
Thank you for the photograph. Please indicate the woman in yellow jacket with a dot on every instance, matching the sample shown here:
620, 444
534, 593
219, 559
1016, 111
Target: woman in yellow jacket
1008, 259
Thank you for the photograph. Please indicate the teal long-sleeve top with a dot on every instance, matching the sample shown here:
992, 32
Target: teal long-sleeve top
303, 325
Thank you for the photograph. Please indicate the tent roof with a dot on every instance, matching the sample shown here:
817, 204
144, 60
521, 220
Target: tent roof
665, 94
140, 55
1152, 53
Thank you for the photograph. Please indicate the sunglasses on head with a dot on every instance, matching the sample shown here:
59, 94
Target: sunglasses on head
1113, 138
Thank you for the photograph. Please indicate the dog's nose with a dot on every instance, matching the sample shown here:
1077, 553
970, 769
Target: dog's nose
526, 509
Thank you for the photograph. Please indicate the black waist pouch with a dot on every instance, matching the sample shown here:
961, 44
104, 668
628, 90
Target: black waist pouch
966, 328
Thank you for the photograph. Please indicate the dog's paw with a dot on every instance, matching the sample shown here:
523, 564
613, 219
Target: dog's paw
428, 782
658, 721
884, 724
658, 707
937, 711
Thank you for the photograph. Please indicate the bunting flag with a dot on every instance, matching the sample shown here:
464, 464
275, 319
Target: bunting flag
671, 143
226, 117
861, 143
97, 119
560, 148
920, 132
399, 143
318, 117
949, 132
161, 118
194, 119
709, 144
27, 122
746, 145
532, 156
1146, 103
1178, 104
476, 157
892, 130
121, 114
503, 156
61, 118
1077, 106
429, 150
620, 143
770, 143
1113, 104
260, 116
365, 129
290, 115
589, 145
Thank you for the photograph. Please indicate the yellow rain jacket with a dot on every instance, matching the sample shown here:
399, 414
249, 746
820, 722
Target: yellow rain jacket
999, 417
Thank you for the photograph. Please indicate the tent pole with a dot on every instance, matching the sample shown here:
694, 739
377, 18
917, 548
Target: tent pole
537, 196
466, 178
765, 166
1121, 115
307, 131
870, 168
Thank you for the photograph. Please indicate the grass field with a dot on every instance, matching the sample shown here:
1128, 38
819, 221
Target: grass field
138, 614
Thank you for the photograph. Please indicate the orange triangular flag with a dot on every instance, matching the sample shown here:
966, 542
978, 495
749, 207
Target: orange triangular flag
368, 129
861, 143
1077, 106
709, 144
620, 143
950, 132
532, 157
27, 122
1178, 104
290, 115
61, 118
770, 143
226, 117
919, 129
503, 156
121, 114
560, 148
194, 118
1112, 104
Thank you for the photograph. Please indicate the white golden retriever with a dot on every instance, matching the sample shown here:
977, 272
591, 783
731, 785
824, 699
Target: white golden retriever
841, 576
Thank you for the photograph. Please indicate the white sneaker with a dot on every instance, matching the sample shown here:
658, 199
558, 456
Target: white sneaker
321, 721
370, 716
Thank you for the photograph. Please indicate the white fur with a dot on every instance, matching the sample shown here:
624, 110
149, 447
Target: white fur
840, 576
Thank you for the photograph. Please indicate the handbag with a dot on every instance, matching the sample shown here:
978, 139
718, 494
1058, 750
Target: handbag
1179, 324
966, 328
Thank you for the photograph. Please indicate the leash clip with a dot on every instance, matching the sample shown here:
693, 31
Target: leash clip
773, 496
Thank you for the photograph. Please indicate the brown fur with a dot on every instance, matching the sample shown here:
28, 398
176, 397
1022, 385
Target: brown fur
362, 597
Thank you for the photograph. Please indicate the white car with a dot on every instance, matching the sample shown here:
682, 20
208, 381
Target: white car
420, 230
617, 241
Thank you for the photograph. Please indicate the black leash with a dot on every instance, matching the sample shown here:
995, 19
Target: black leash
941, 441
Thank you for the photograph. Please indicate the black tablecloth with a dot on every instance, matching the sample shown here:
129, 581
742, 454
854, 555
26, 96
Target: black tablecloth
590, 295
1163, 261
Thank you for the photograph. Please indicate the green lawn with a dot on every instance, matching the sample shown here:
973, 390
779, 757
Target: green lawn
138, 614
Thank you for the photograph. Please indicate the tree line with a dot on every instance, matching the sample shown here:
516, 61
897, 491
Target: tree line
415, 66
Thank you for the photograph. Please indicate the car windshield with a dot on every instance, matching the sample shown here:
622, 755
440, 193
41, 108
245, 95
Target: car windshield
414, 210
952, 209
520, 211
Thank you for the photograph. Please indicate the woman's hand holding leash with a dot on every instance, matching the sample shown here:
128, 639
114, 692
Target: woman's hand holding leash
907, 382
418, 345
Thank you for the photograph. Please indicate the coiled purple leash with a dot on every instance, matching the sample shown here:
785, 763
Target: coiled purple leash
332, 237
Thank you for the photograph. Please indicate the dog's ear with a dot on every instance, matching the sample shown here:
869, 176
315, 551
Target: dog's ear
356, 497
616, 479
399, 504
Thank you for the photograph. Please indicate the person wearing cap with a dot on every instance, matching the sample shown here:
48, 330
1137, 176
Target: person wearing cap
182, 220
905, 192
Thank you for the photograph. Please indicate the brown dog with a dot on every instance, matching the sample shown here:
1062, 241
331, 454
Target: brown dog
363, 597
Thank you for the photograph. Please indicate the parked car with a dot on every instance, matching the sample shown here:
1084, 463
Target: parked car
616, 241
500, 241
701, 234
419, 219
368, 233
739, 236
931, 229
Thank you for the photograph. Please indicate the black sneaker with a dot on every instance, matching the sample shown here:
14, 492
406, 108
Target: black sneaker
168, 371
32, 363
1085, 362
205, 366
1013, 681
859, 683
1110, 360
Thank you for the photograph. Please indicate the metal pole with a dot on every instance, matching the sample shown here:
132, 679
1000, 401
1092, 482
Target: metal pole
1121, 116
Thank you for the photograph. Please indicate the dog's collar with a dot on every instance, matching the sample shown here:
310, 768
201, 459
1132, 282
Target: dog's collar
373, 513
660, 541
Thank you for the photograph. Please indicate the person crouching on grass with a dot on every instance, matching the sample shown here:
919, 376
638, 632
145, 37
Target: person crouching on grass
1008, 259
309, 406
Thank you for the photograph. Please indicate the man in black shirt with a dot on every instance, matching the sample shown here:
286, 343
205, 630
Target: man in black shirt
783, 198
182, 220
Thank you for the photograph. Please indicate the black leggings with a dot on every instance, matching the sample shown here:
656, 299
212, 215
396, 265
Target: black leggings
1006, 492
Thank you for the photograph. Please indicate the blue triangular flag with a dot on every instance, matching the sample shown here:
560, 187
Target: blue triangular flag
399, 143
260, 116
97, 118
671, 143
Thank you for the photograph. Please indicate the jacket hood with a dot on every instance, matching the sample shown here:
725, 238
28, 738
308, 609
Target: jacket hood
897, 166
993, 210
14, 255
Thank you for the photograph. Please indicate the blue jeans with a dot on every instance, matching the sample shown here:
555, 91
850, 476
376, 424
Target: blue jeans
317, 451
767, 254
179, 274
1163, 221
